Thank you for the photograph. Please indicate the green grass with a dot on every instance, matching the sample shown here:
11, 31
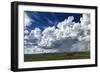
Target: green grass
56, 56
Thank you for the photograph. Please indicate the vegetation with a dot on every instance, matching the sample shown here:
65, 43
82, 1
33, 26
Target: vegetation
56, 56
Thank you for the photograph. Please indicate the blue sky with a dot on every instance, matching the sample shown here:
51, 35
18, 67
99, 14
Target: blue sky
44, 19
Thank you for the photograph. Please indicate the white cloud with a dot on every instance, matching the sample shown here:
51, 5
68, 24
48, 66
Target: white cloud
26, 31
37, 50
28, 20
66, 23
37, 33
35, 36
26, 37
48, 38
69, 36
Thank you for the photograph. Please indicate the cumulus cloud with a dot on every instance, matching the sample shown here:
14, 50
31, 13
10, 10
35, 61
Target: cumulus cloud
26, 32
35, 36
39, 50
68, 36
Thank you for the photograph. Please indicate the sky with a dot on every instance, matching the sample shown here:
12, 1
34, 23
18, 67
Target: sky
45, 19
50, 32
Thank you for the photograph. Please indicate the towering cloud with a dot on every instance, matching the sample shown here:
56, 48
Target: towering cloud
68, 36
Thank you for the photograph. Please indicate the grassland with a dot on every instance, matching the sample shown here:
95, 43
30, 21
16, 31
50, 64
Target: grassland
56, 56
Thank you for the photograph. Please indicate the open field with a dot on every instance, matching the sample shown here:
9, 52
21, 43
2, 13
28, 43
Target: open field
56, 56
